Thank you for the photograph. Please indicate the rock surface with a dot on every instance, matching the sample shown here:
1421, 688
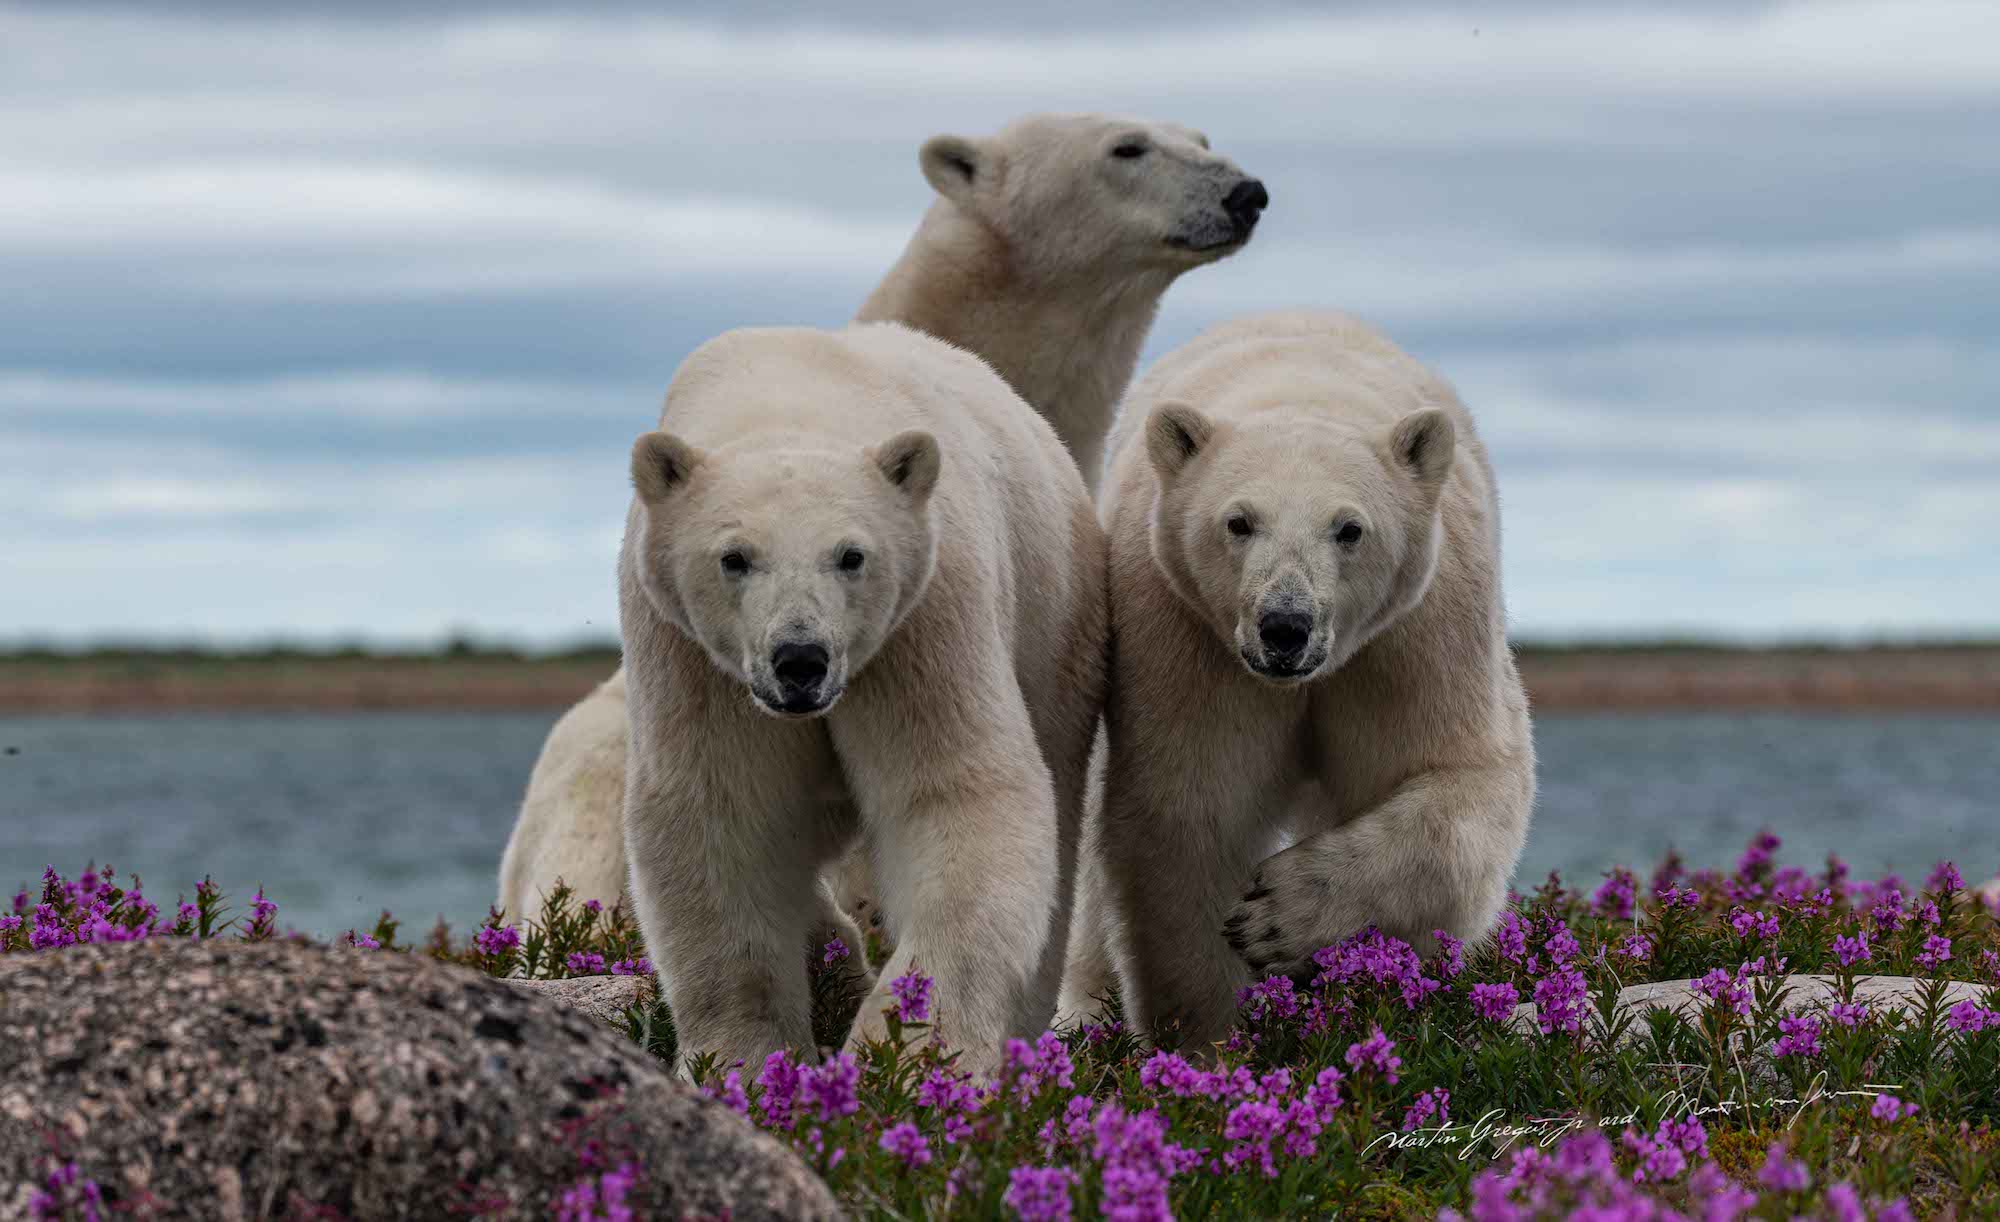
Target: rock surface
604, 998
233, 1080
1878, 992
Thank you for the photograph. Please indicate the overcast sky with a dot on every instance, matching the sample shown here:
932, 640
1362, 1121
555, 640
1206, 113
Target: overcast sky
323, 326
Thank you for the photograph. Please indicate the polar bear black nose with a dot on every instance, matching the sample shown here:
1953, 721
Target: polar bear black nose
1284, 633
1245, 201
799, 667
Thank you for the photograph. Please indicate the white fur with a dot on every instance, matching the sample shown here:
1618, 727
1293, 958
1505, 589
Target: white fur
1048, 259
1398, 755
963, 670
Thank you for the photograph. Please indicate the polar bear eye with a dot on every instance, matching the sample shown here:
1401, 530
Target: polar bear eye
1347, 534
1129, 150
735, 563
1239, 525
851, 560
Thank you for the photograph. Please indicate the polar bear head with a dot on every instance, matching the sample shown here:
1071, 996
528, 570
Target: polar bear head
790, 566
1079, 194
1297, 535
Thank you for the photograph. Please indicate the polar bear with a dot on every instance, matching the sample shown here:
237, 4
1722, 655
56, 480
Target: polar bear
1311, 643
1046, 252
862, 594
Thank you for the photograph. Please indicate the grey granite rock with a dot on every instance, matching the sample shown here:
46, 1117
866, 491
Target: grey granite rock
230, 1080
604, 998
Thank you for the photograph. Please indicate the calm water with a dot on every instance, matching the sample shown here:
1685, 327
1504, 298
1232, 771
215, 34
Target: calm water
341, 815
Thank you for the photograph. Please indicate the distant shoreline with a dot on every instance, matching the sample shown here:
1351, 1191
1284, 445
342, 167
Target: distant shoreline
1945, 678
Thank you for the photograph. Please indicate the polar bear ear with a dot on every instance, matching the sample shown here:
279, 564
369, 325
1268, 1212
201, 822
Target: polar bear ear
1175, 433
953, 164
911, 462
1423, 442
661, 463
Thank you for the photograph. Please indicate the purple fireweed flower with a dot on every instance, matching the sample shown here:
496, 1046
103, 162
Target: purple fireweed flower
1782, 1173
1376, 1053
1843, 1204
1723, 1200
1271, 998
1944, 877
1559, 1001
1323, 1096
1897, 1210
360, 941
831, 1086
1039, 1194
1660, 1158
1722, 988
1892, 1109
1451, 954
1990, 960
1968, 1017
497, 940
1138, 1162
1927, 912
1372, 955
593, 907
1252, 1125
1432, 1105
1613, 897
948, 1091
1495, 1002
1936, 951
1790, 885
1636, 947
1888, 911
834, 951
912, 992
1848, 1014
1798, 1036
729, 1092
1851, 951
49, 931
1510, 937
1757, 858
1562, 946
9, 923
641, 966
1046, 1061
779, 1081
907, 1143
1762, 926
585, 963
1669, 897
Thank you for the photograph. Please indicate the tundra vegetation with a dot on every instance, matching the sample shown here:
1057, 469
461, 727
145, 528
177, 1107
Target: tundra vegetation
1501, 1081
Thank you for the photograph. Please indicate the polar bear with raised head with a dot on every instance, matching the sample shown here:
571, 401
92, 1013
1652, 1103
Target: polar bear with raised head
862, 595
1046, 253
1311, 644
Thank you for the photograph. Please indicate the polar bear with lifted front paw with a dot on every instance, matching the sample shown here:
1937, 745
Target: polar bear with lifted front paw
1305, 593
862, 597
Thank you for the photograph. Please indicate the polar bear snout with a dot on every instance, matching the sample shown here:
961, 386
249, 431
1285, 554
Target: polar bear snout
1285, 643
1284, 634
797, 679
1246, 202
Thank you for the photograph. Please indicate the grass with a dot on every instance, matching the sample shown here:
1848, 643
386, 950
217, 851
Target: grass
1386, 1086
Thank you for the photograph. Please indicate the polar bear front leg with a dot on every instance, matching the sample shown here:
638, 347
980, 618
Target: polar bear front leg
961, 809
726, 901
1435, 855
